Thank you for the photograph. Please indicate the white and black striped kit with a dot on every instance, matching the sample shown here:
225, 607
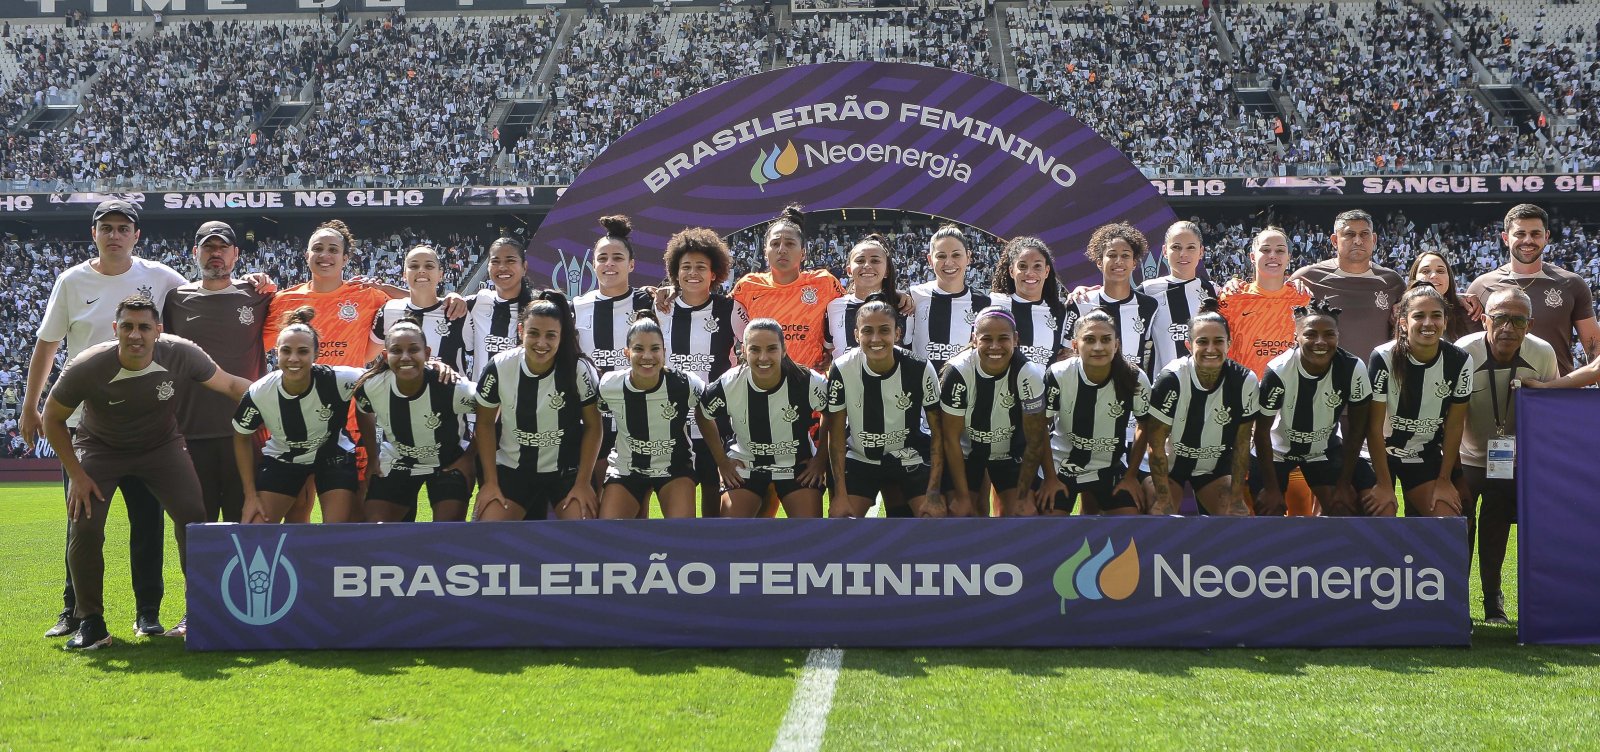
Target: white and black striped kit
494, 328
703, 340
1182, 299
1138, 318
423, 433
1414, 430
884, 412
1306, 408
771, 429
1205, 422
841, 322
603, 325
447, 339
300, 426
541, 416
652, 427
1092, 425
943, 321
1040, 331
992, 406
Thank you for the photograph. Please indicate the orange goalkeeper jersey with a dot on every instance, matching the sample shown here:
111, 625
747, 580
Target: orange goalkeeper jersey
800, 306
1261, 323
343, 321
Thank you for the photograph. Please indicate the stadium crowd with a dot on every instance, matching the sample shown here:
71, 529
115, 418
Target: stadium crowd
956, 38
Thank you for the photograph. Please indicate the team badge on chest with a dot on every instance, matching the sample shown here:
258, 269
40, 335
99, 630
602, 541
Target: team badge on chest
972, 316
1330, 398
669, 411
347, 310
1007, 400
441, 328
808, 296
1441, 389
1380, 299
165, 391
247, 315
902, 401
711, 324
1552, 297
432, 421
1221, 415
789, 414
324, 413
557, 400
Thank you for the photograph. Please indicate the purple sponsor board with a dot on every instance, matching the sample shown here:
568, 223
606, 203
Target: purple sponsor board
1150, 582
1558, 574
851, 136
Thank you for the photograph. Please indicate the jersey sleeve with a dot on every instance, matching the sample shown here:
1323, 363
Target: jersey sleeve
1052, 394
1030, 388
57, 320
1361, 390
954, 395
378, 327
588, 384
488, 394
247, 418
712, 402
1141, 396
836, 396
1249, 397
930, 386
1272, 394
194, 363
363, 402
1380, 377
741, 319
741, 292
696, 386
345, 378
167, 280
1463, 383
465, 397
1165, 348
818, 391
1164, 402
1583, 300
69, 389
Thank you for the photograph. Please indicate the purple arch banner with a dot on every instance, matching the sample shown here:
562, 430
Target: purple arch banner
851, 135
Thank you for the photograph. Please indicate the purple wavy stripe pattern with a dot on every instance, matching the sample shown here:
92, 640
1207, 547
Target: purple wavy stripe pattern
1558, 575
1004, 195
1171, 604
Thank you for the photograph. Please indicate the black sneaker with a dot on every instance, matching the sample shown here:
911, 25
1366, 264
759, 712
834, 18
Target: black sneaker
65, 625
1494, 609
91, 635
148, 624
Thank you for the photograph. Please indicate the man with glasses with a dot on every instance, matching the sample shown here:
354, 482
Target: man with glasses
1501, 355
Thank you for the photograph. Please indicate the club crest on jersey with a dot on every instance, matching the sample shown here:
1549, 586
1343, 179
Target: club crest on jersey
1441, 389
669, 411
146, 291
902, 401
1221, 415
557, 400
1138, 326
441, 328
1007, 400
432, 421
247, 315
633, 315
808, 296
711, 324
1552, 297
789, 414
1115, 410
972, 316
1051, 323
1381, 299
347, 311
165, 391
324, 413
1331, 399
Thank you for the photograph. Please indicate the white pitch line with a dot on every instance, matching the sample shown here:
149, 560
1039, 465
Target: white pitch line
807, 719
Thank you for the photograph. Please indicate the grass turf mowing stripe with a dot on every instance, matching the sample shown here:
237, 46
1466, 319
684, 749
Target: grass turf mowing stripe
807, 719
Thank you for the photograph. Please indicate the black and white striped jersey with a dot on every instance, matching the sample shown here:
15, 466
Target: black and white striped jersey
652, 426
704, 340
447, 339
493, 328
1182, 299
884, 412
1139, 318
1205, 422
1306, 409
299, 426
541, 416
603, 325
1092, 424
942, 324
841, 324
423, 433
1417, 408
991, 406
1040, 332
771, 429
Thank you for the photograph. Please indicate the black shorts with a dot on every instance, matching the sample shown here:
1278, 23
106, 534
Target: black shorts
1003, 474
1325, 472
1100, 485
334, 470
402, 489
1200, 480
868, 480
760, 481
535, 492
1413, 474
608, 436
641, 486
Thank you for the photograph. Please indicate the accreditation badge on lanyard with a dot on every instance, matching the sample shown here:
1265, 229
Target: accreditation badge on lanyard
1502, 447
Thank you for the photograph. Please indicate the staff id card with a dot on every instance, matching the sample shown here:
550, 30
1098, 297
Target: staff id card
1502, 457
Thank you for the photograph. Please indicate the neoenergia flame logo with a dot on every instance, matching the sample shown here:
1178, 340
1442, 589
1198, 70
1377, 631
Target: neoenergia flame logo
1097, 576
771, 165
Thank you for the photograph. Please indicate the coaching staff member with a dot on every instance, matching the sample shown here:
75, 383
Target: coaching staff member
128, 391
1560, 298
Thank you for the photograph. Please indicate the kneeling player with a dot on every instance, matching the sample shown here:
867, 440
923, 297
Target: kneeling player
1092, 396
992, 407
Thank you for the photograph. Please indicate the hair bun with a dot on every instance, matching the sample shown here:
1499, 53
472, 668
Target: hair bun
617, 225
302, 315
793, 213
646, 314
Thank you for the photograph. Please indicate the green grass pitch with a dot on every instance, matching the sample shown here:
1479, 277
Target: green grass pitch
151, 694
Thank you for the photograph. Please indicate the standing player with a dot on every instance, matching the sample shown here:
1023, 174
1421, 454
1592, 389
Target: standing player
605, 313
1366, 291
653, 404
1093, 395
878, 398
946, 306
1207, 404
424, 439
1181, 292
1501, 355
1025, 283
771, 404
1562, 298
129, 429
1420, 387
447, 337
224, 316
1303, 394
992, 409
82, 306
1261, 314
793, 296
540, 392
494, 312
702, 333
1143, 325
1435, 268
871, 272
303, 406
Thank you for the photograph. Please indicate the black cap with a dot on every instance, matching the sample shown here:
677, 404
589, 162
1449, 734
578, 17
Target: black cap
116, 206
215, 229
